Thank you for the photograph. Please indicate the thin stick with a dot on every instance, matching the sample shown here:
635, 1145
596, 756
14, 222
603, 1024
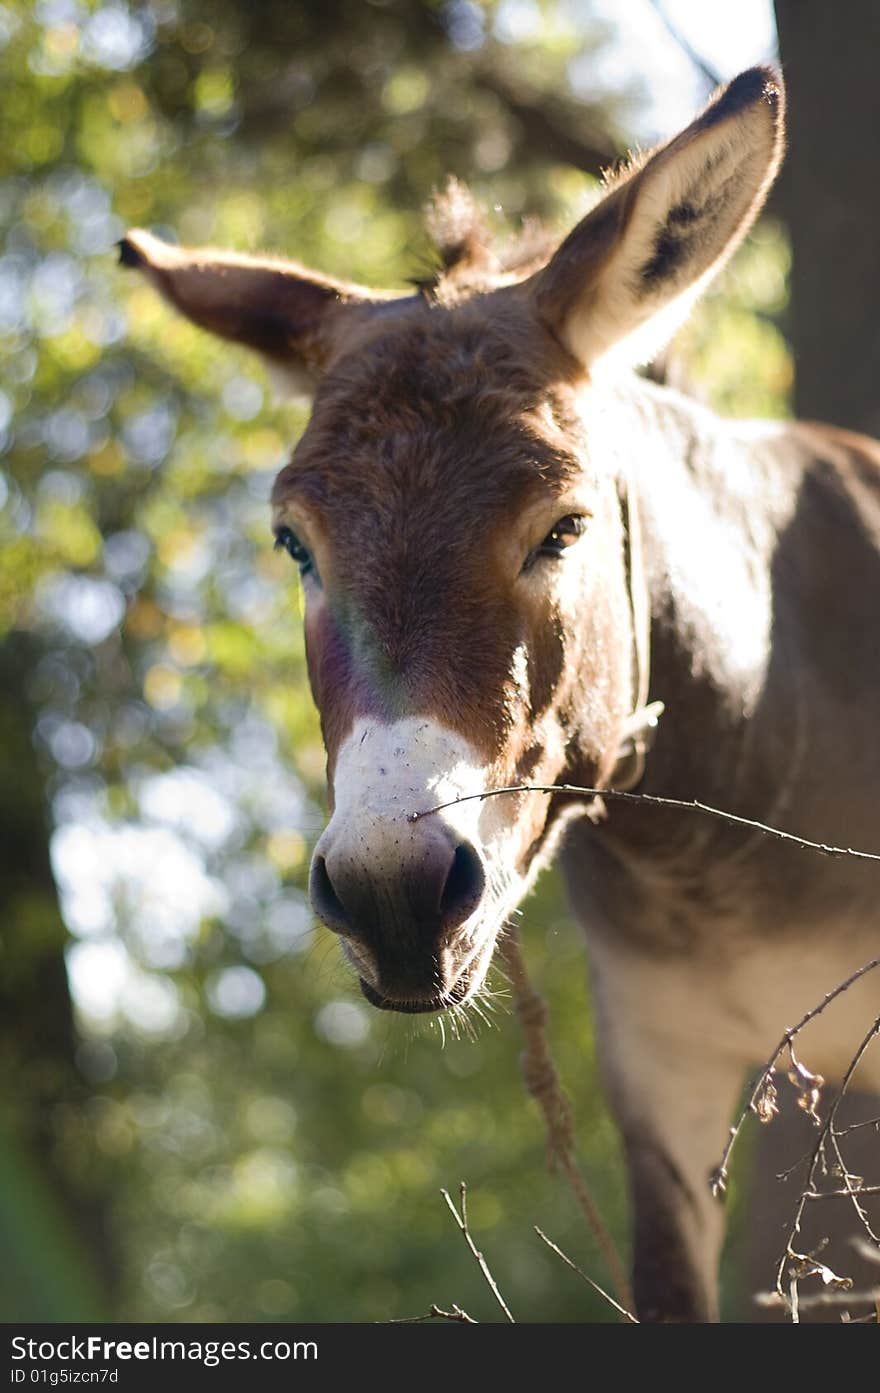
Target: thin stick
687, 805
854, 1126
589, 1281
866, 1250
855, 1185
542, 1081
461, 1220
718, 1180
437, 1313
712, 77
819, 1298
843, 1194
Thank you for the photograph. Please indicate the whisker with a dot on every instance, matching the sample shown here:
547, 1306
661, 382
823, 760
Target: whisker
474, 1005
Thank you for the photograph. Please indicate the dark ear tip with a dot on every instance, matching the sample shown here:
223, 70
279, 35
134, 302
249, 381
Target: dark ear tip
128, 253
762, 83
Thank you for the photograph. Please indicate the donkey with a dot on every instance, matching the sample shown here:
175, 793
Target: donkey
507, 541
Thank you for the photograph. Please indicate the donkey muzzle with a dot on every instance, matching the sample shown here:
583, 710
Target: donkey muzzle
400, 897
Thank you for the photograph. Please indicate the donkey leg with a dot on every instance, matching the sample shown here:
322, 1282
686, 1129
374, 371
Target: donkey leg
676, 1236
672, 1091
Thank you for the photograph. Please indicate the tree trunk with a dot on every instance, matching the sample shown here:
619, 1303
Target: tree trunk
829, 195
57, 1259
830, 198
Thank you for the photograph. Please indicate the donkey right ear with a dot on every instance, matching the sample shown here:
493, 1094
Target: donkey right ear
623, 280
290, 316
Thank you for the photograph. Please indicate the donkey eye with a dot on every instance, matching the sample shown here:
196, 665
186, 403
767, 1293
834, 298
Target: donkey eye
288, 541
563, 534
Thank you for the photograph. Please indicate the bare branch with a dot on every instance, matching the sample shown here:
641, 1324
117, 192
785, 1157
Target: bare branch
589, 1281
867, 1251
804, 1264
855, 1185
843, 1194
550, 127
819, 1298
854, 1126
437, 1313
654, 800
461, 1220
712, 77
719, 1177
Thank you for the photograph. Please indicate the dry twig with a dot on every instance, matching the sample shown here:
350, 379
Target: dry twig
437, 1313
589, 1281
757, 1099
805, 1264
770, 1299
842, 1194
855, 1126
654, 800
462, 1221
712, 77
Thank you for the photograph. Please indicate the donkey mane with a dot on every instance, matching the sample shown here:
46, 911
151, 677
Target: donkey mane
472, 260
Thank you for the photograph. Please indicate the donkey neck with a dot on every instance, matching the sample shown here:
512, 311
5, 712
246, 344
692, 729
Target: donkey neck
712, 500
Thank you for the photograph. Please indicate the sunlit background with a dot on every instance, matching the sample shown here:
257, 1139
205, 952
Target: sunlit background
225, 1131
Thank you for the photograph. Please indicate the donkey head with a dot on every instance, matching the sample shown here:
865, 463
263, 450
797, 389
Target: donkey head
454, 510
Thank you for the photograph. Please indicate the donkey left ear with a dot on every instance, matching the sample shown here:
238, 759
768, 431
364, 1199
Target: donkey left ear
627, 275
291, 316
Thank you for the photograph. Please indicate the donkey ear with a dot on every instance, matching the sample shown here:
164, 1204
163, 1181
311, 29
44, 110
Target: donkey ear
287, 314
629, 272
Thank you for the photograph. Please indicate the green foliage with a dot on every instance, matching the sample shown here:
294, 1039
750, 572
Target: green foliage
258, 1143
733, 345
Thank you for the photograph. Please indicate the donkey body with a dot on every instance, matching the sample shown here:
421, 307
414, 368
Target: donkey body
762, 549
500, 542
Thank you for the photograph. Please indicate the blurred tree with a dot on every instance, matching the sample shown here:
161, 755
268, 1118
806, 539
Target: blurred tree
341, 75
61, 1275
830, 197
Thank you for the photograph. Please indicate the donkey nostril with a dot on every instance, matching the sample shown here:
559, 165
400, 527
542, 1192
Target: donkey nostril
325, 901
464, 886
417, 900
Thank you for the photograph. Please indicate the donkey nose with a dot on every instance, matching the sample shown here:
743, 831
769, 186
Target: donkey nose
425, 896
